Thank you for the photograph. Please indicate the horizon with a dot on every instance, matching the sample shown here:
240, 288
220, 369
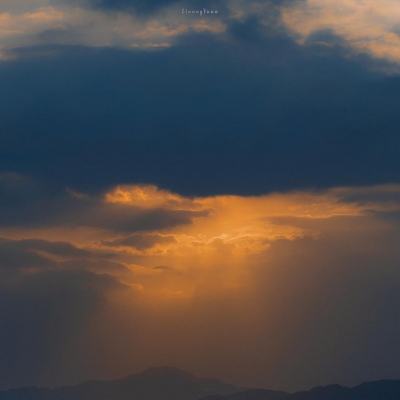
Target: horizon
168, 371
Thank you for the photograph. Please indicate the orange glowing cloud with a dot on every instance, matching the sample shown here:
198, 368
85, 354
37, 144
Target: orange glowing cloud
218, 251
243, 224
218, 247
217, 243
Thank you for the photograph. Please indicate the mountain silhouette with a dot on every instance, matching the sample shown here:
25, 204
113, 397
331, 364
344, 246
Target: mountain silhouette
153, 384
252, 394
167, 383
379, 390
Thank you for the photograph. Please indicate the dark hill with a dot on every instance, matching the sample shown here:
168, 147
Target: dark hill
174, 384
152, 384
379, 390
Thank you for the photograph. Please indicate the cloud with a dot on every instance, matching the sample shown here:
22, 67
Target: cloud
247, 223
35, 255
146, 217
149, 196
140, 6
140, 241
69, 24
237, 115
229, 103
137, 24
365, 27
71, 209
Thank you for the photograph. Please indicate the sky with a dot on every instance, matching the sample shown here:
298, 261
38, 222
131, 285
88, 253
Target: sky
218, 192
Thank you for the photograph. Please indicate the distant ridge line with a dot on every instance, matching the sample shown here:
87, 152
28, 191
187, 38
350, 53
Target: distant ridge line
169, 383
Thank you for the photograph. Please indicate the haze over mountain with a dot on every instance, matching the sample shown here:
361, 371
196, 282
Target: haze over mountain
161, 383
165, 383
378, 390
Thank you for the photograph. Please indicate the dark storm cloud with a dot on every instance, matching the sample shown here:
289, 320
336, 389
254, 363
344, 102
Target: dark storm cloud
124, 219
387, 194
150, 6
17, 256
146, 7
203, 117
27, 204
137, 5
140, 241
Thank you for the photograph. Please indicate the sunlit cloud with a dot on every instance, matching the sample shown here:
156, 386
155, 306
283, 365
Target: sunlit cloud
72, 25
149, 221
366, 26
241, 224
165, 237
149, 196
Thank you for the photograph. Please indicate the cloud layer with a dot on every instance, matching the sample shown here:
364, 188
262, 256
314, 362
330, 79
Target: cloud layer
73, 26
365, 26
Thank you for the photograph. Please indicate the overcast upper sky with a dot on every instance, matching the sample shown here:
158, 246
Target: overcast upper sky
168, 176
